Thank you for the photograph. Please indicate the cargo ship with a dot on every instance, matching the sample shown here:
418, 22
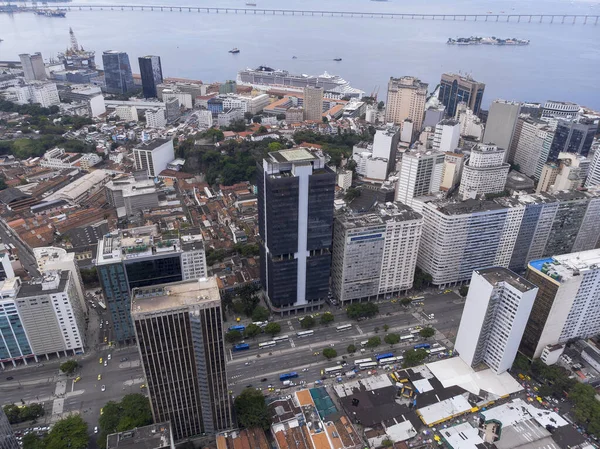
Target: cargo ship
474, 40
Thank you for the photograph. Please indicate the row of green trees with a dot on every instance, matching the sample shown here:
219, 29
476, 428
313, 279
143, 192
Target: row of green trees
70, 432
362, 310
131, 412
17, 414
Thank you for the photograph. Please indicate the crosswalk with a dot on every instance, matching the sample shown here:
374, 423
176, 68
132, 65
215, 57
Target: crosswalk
360, 331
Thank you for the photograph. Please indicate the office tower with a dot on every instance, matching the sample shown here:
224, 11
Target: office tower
374, 252
151, 73
141, 257
152, 436
567, 305
14, 344
501, 123
451, 170
532, 145
52, 315
420, 174
447, 135
313, 103
456, 88
153, 156
406, 100
6, 269
172, 110
573, 136
33, 66
496, 311
7, 437
434, 115
179, 331
593, 178
118, 78
385, 146
295, 221
560, 109
485, 172
567, 173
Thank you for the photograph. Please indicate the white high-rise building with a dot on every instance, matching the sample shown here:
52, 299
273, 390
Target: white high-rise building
567, 305
593, 177
43, 93
204, 118
494, 318
447, 135
33, 66
127, 113
375, 253
484, 172
531, 145
153, 156
569, 172
420, 174
156, 118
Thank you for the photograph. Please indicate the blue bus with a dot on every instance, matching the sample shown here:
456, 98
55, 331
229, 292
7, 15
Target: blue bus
241, 346
287, 376
422, 346
384, 356
238, 327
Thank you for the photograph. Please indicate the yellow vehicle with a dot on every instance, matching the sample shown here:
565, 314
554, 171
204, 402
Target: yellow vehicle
105, 339
535, 388
521, 377
448, 290
527, 377
142, 386
539, 399
101, 411
77, 379
238, 319
100, 360
394, 301
99, 376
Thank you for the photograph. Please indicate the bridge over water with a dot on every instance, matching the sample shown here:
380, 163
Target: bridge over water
582, 19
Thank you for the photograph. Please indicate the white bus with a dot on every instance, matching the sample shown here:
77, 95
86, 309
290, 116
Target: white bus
260, 324
364, 343
437, 350
281, 338
333, 369
267, 344
305, 334
343, 327
359, 361
406, 337
368, 365
390, 360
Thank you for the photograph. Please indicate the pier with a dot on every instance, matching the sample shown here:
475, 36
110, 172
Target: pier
582, 19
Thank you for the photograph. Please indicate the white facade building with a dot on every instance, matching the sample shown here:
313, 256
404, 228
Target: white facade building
344, 179
43, 93
375, 161
420, 174
593, 177
156, 118
530, 151
58, 158
193, 257
229, 115
470, 124
153, 156
484, 172
494, 318
204, 119
127, 113
185, 99
447, 135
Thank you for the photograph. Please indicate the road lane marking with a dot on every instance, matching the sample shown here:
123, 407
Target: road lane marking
360, 331
292, 344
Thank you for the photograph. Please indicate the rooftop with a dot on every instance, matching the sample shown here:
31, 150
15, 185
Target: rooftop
152, 145
154, 436
565, 267
379, 214
495, 275
156, 298
292, 155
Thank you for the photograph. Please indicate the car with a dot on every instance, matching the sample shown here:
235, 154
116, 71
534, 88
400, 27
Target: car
103, 388
249, 386
105, 363
109, 357
142, 386
269, 386
101, 411
107, 322
9, 378
100, 325
304, 370
124, 359
77, 379
105, 339
96, 429
264, 379
99, 376
100, 360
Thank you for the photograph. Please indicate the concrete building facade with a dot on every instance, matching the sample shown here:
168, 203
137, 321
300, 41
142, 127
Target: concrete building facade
532, 143
420, 174
153, 156
447, 135
501, 123
484, 173
33, 66
406, 98
313, 103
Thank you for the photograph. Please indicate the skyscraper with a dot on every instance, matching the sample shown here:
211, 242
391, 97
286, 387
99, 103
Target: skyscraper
456, 88
179, 332
151, 72
531, 145
406, 100
295, 219
153, 156
33, 66
14, 344
7, 437
573, 136
567, 305
494, 318
593, 178
118, 78
485, 172
447, 135
313, 103
501, 123
420, 174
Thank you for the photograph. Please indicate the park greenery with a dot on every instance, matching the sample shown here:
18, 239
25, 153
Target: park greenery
427, 332
329, 353
414, 357
338, 146
233, 336
133, 411
242, 249
308, 322
392, 339
252, 330
70, 432
247, 301
89, 276
272, 329
351, 349
373, 342
260, 313
327, 318
362, 310
251, 409
405, 301
69, 367
17, 414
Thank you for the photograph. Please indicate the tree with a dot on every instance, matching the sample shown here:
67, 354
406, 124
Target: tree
414, 357
260, 314
16, 414
373, 342
274, 146
252, 330
351, 193
257, 119
307, 322
262, 130
427, 332
376, 329
329, 353
71, 432
380, 105
69, 367
391, 339
133, 411
327, 318
272, 329
89, 276
233, 336
251, 409
351, 349
248, 115
386, 328
521, 363
324, 119
362, 310
387, 442
463, 290
421, 279
32, 441
405, 301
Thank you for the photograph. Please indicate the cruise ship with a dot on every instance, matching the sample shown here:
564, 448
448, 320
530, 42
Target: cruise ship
267, 78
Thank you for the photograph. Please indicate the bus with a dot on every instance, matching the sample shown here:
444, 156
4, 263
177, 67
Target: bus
237, 327
241, 347
287, 376
390, 360
406, 337
415, 332
422, 346
333, 369
101, 304
364, 343
305, 334
281, 338
367, 365
343, 327
437, 350
359, 361
266, 344
384, 356
260, 324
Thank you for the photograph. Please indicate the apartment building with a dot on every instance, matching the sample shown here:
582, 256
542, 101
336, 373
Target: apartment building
484, 173
446, 136
420, 174
531, 145
406, 98
313, 103
153, 156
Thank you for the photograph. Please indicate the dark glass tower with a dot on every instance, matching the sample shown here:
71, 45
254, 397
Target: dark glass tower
456, 88
573, 136
151, 72
118, 78
295, 210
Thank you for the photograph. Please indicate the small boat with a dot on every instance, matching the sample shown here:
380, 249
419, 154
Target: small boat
337, 59
234, 50
294, 57
250, 4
